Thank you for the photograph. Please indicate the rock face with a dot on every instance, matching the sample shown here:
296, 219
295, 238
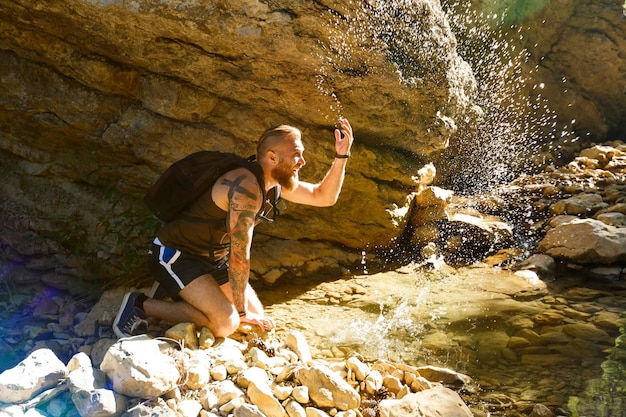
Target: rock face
98, 97
576, 64
576, 57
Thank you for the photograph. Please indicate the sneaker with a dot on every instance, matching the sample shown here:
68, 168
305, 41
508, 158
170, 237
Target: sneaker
130, 320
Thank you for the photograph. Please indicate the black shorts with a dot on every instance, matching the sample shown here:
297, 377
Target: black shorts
174, 269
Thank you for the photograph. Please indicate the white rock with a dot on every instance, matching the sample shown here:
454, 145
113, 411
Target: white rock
326, 388
79, 360
230, 355
138, 367
233, 404
282, 392
248, 410
258, 358
301, 394
315, 412
438, 401
294, 409
40, 370
86, 379
189, 408
392, 383
261, 395
373, 382
297, 343
99, 403
359, 369
252, 374
218, 372
224, 392
11, 411
198, 369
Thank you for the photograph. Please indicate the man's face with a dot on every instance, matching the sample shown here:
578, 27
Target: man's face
290, 160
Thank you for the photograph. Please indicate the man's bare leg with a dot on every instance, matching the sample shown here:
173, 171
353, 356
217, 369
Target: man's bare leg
204, 303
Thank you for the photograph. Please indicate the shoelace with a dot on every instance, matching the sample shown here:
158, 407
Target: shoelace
134, 323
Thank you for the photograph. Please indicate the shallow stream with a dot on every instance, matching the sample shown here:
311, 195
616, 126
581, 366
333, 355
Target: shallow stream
522, 340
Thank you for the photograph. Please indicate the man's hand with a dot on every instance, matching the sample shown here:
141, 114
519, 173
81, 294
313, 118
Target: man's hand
264, 322
343, 138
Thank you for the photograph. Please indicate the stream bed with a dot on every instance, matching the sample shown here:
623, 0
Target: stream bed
522, 340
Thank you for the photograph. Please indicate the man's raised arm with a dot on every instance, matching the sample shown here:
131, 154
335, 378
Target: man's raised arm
326, 192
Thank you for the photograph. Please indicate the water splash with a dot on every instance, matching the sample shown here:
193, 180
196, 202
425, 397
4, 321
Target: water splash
385, 335
515, 119
512, 120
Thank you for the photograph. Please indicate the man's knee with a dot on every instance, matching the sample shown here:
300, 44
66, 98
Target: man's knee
225, 326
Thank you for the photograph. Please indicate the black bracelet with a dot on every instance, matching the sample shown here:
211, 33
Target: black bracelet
243, 313
346, 156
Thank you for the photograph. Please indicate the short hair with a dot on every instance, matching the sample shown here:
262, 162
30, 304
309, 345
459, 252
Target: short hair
274, 135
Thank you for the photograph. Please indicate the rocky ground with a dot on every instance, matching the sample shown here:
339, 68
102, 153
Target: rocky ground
571, 219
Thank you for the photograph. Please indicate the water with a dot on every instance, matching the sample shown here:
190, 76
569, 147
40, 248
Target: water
454, 319
464, 319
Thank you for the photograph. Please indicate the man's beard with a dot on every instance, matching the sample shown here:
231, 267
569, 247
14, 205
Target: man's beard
284, 175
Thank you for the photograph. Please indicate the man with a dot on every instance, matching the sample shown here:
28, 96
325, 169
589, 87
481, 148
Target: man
205, 270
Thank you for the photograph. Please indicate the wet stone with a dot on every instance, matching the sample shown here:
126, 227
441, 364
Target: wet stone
548, 318
586, 331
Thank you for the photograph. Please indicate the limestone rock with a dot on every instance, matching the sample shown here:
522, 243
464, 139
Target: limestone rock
198, 369
543, 265
38, 371
580, 204
573, 64
326, 389
296, 342
261, 395
294, 409
139, 367
444, 375
184, 333
586, 241
359, 368
99, 403
438, 401
189, 79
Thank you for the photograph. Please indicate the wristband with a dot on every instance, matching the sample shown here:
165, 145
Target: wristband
243, 313
346, 156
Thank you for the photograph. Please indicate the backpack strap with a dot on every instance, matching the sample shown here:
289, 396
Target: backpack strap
255, 168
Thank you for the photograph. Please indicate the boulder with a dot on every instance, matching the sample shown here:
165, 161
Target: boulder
585, 241
437, 401
39, 371
327, 389
140, 367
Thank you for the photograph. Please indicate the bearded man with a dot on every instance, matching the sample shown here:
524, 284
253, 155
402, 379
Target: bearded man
204, 268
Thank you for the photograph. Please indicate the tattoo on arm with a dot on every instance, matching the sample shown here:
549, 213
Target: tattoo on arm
244, 203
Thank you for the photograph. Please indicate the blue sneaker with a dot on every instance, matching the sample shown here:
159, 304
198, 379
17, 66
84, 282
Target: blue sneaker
130, 320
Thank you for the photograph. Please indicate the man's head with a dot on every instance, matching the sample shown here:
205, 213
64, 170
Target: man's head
281, 149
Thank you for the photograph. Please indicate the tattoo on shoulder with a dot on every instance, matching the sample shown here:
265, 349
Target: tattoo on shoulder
236, 187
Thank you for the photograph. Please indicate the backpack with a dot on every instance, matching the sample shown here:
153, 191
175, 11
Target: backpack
188, 178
